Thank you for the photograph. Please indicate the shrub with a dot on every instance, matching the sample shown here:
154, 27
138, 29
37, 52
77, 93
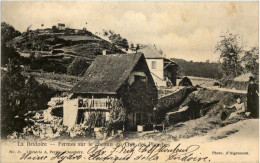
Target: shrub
78, 67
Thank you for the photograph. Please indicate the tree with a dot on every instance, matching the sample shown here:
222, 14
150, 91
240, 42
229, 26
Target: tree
231, 49
132, 46
11, 100
116, 39
8, 53
137, 47
54, 28
8, 33
251, 60
20, 94
124, 44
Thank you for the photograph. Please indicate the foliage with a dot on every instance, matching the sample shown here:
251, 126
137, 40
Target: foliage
231, 49
55, 67
12, 100
20, 95
251, 60
37, 94
116, 39
140, 97
8, 32
8, 53
137, 47
36, 62
118, 116
54, 28
118, 112
199, 69
78, 67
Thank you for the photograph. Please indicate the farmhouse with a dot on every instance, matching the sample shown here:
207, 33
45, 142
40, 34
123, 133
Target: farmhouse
163, 70
117, 81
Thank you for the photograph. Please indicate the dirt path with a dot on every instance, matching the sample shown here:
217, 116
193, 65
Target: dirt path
239, 137
227, 90
246, 129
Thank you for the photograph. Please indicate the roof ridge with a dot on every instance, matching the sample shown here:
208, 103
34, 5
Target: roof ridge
155, 50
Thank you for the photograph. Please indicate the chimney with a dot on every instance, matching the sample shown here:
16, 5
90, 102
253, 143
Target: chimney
104, 52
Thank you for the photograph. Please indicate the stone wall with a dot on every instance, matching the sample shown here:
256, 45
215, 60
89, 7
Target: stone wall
171, 102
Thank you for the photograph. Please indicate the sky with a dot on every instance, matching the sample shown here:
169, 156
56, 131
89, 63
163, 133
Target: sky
186, 30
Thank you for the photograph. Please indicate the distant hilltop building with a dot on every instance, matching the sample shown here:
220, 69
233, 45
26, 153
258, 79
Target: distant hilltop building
61, 26
61, 29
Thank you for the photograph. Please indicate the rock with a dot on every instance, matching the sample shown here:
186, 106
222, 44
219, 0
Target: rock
171, 101
177, 116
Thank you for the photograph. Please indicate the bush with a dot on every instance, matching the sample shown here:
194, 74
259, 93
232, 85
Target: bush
78, 67
8, 53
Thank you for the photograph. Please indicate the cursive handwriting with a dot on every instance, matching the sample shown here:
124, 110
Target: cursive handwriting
145, 152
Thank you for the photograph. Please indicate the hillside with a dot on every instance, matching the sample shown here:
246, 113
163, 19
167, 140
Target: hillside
53, 50
199, 69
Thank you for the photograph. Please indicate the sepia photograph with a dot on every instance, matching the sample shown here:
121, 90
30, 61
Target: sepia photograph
129, 81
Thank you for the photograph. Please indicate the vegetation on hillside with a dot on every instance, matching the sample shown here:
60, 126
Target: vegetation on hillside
234, 60
53, 50
199, 69
78, 67
57, 82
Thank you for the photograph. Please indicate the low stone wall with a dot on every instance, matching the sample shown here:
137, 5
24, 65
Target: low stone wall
203, 102
172, 101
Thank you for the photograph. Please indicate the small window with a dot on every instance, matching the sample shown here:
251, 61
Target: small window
153, 64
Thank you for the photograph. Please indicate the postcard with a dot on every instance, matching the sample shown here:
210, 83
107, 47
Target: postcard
129, 81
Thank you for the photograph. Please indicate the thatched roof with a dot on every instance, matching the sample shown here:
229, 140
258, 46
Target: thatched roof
107, 73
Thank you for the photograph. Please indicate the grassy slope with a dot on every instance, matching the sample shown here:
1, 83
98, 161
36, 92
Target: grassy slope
58, 82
